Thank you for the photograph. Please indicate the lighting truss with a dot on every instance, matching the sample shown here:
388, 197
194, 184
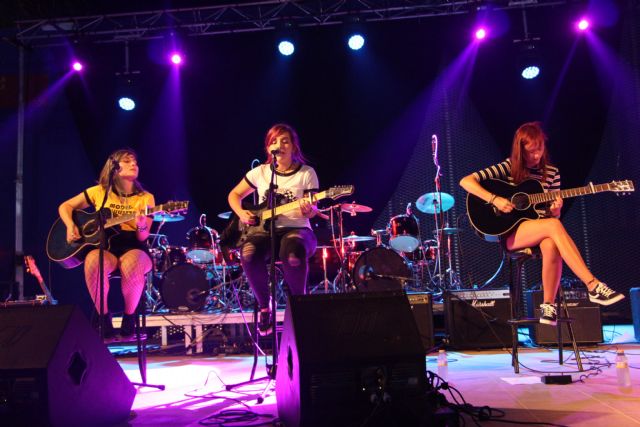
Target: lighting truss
244, 17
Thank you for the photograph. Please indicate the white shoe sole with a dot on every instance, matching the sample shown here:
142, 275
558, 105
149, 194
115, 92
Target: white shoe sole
548, 322
614, 300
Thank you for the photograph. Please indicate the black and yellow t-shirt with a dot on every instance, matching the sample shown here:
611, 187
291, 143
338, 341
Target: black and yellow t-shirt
122, 205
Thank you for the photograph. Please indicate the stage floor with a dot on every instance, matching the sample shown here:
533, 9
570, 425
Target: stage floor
194, 386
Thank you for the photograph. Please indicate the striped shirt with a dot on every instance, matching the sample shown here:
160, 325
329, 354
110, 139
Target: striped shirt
502, 171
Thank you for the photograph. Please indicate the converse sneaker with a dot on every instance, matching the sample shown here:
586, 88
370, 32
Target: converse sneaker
604, 295
548, 314
264, 323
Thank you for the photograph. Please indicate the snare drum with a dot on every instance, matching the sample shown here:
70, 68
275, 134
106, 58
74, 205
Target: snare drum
201, 249
380, 269
404, 233
184, 287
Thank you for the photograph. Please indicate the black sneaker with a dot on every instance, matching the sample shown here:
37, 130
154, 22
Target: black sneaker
548, 314
604, 295
128, 326
264, 323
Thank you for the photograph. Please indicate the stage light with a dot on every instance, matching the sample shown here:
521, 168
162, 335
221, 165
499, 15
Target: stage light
77, 66
530, 72
176, 58
583, 24
126, 103
286, 47
356, 41
481, 33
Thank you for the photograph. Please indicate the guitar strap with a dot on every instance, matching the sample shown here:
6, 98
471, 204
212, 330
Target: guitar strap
86, 197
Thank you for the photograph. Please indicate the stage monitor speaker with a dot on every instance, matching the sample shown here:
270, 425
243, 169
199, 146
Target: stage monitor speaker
422, 307
477, 319
55, 371
587, 323
634, 293
343, 354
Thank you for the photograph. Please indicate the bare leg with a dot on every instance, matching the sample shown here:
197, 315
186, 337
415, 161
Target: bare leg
532, 233
551, 270
92, 273
134, 264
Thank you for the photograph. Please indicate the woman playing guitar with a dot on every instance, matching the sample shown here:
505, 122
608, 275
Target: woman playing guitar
530, 160
127, 249
294, 236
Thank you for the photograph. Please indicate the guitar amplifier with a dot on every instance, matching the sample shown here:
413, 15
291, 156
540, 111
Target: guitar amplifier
477, 319
422, 308
587, 324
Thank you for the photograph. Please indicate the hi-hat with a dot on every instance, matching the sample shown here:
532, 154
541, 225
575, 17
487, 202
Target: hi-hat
165, 217
353, 208
430, 202
224, 215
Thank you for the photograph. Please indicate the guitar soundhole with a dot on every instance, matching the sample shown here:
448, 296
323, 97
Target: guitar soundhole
521, 201
90, 228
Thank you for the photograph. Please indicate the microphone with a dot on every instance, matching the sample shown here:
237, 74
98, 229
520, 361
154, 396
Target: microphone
366, 272
434, 144
115, 165
274, 152
203, 220
409, 211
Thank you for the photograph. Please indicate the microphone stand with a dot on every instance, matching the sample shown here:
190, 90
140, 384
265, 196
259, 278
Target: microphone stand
101, 248
271, 204
437, 208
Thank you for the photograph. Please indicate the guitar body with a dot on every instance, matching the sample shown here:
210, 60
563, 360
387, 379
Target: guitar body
491, 224
237, 232
70, 255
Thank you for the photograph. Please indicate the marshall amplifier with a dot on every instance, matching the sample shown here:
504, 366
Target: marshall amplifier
477, 319
587, 324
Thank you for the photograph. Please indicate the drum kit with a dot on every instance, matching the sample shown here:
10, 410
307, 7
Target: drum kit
399, 258
203, 276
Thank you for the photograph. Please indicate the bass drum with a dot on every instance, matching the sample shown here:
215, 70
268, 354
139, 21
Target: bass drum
184, 287
380, 269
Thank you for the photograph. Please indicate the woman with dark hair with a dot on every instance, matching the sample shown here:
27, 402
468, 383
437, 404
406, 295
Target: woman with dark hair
127, 250
295, 241
530, 160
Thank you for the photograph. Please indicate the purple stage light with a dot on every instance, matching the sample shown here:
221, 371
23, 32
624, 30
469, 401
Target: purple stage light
76, 65
481, 33
176, 58
583, 24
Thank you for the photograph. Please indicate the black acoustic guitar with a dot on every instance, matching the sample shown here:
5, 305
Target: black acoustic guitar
72, 254
236, 232
492, 225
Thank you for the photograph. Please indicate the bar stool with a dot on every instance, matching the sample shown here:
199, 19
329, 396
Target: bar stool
517, 258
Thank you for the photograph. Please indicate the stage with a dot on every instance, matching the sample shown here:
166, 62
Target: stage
195, 384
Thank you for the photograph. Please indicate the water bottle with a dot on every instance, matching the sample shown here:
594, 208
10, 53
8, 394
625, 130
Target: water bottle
442, 357
622, 369
443, 366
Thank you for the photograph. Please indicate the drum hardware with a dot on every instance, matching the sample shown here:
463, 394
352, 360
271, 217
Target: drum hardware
325, 281
357, 239
448, 231
378, 235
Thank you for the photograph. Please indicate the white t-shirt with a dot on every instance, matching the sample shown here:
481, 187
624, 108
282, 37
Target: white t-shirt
291, 186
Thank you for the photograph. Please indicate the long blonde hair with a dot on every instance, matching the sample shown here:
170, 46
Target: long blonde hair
116, 156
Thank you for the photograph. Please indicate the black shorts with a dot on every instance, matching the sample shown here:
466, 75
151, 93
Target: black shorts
125, 241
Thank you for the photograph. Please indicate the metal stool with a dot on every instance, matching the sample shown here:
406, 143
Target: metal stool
519, 257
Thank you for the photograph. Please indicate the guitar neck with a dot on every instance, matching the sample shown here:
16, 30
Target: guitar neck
571, 192
288, 207
113, 221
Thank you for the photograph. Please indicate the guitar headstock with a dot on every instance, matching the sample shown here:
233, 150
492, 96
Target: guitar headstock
622, 187
175, 207
340, 191
32, 268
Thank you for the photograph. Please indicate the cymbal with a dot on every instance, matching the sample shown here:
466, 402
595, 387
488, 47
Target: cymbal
357, 238
430, 202
448, 230
353, 207
164, 217
225, 215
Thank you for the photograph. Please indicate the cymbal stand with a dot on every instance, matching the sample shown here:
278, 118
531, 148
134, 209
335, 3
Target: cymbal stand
343, 272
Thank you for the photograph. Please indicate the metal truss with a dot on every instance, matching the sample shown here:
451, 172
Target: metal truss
246, 17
